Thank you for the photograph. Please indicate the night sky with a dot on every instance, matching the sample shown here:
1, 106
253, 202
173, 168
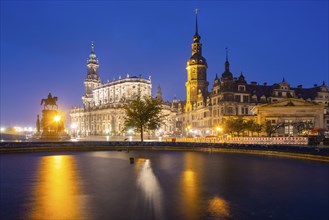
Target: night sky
45, 45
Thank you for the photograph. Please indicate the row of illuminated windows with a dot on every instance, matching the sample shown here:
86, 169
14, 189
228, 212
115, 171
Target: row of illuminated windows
230, 111
284, 94
201, 123
200, 115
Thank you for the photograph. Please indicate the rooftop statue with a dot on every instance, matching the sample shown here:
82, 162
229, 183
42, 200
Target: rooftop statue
50, 101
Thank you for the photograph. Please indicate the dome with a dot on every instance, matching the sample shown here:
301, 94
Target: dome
227, 75
92, 55
197, 59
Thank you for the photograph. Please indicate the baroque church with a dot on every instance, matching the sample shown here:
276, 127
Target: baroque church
102, 113
204, 111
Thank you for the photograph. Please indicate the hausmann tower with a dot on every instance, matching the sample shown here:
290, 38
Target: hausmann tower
196, 67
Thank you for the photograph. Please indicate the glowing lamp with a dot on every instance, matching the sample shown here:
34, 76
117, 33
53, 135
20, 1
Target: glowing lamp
74, 125
57, 118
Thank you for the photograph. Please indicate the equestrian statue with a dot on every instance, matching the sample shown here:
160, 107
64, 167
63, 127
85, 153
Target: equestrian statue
50, 101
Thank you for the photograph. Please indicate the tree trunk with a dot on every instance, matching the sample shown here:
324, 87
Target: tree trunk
142, 134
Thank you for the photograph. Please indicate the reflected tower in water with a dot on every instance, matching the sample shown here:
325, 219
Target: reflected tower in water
195, 203
190, 186
57, 194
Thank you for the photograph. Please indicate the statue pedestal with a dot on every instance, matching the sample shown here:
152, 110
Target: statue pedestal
52, 126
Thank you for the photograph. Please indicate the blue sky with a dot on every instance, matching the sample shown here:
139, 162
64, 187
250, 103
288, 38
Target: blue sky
44, 46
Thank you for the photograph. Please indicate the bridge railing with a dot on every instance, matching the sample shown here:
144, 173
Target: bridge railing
244, 140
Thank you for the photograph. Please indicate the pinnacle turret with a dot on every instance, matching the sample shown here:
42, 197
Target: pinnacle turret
227, 64
92, 56
158, 93
92, 65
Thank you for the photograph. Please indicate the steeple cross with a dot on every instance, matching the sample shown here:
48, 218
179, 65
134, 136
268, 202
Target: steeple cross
92, 46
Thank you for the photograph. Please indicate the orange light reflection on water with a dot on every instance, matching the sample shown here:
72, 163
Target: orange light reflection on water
190, 188
191, 192
57, 191
218, 208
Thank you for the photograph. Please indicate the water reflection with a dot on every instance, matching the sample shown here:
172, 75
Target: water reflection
190, 186
56, 193
139, 164
148, 184
218, 208
112, 155
194, 205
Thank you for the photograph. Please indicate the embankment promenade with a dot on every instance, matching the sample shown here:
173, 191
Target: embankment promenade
292, 151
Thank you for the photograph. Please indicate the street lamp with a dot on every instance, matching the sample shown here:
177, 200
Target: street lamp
73, 127
219, 130
189, 130
57, 118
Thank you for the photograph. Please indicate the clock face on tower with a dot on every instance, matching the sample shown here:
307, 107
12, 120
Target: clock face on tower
194, 74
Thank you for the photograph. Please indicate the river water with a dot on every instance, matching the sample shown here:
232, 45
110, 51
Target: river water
161, 185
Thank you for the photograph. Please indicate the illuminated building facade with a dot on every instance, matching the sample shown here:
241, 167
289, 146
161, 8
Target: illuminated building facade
102, 112
230, 96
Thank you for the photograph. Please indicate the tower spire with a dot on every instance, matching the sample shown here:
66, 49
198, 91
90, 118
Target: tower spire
92, 64
227, 64
196, 37
92, 55
92, 47
196, 21
226, 54
158, 93
92, 79
196, 70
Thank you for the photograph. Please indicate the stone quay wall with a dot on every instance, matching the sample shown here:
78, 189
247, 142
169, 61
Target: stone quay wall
292, 151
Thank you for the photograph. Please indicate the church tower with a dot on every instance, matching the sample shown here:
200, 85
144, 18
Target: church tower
227, 76
158, 95
196, 71
92, 79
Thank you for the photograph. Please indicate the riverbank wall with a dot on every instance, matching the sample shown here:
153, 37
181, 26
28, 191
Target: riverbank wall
301, 152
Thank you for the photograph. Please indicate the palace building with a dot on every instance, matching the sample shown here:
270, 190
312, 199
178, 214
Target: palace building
230, 96
204, 111
102, 112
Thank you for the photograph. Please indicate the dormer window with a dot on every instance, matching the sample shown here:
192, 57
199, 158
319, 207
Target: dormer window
241, 88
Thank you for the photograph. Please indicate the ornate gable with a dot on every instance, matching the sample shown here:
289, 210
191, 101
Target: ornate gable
290, 102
